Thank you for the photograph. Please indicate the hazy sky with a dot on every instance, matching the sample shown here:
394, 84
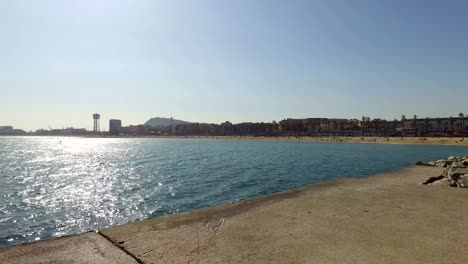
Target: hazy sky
212, 61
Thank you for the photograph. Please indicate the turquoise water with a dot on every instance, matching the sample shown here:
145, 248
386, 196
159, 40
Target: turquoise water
52, 187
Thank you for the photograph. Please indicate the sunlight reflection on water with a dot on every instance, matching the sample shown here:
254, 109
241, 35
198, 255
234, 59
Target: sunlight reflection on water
51, 187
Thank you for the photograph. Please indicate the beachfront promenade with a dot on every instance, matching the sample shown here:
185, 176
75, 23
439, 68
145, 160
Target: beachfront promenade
388, 218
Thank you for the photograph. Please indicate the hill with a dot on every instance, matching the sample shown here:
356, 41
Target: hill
161, 121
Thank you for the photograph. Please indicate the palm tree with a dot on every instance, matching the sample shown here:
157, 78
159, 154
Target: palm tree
451, 123
403, 120
415, 119
375, 123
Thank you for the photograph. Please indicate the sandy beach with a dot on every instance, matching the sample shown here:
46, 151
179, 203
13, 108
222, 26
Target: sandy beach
378, 140
387, 218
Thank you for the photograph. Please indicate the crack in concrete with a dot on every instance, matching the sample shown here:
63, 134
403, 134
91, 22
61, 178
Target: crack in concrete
118, 245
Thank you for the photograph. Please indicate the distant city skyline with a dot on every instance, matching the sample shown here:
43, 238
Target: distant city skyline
213, 61
104, 125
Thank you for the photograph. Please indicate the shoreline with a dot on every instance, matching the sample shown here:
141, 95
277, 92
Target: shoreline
364, 140
449, 141
385, 218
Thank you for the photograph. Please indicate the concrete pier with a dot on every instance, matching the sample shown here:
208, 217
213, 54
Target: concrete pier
85, 248
387, 218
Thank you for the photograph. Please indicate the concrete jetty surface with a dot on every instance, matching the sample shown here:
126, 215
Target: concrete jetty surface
387, 218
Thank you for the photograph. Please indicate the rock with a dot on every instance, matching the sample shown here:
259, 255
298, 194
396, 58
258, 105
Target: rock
434, 180
452, 171
422, 163
454, 174
457, 164
441, 163
439, 183
464, 161
456, 171
463, 181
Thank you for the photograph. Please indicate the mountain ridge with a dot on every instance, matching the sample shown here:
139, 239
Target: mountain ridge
162, 121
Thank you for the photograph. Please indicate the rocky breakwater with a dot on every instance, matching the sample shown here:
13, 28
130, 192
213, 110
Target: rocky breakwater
455, 173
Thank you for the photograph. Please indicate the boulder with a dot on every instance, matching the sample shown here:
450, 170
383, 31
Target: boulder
439, 183
456, 171
453, 171
457, 164
422, 163
435, 180
441, 163
463, 181
454, 174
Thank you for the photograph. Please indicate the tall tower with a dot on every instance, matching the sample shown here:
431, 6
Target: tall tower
96, 118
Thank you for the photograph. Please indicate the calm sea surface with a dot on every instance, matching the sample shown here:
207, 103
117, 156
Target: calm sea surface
52, 187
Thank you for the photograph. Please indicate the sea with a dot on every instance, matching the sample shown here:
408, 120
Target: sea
56, 186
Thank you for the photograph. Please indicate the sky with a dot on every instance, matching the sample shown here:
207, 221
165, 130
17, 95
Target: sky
213, 61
